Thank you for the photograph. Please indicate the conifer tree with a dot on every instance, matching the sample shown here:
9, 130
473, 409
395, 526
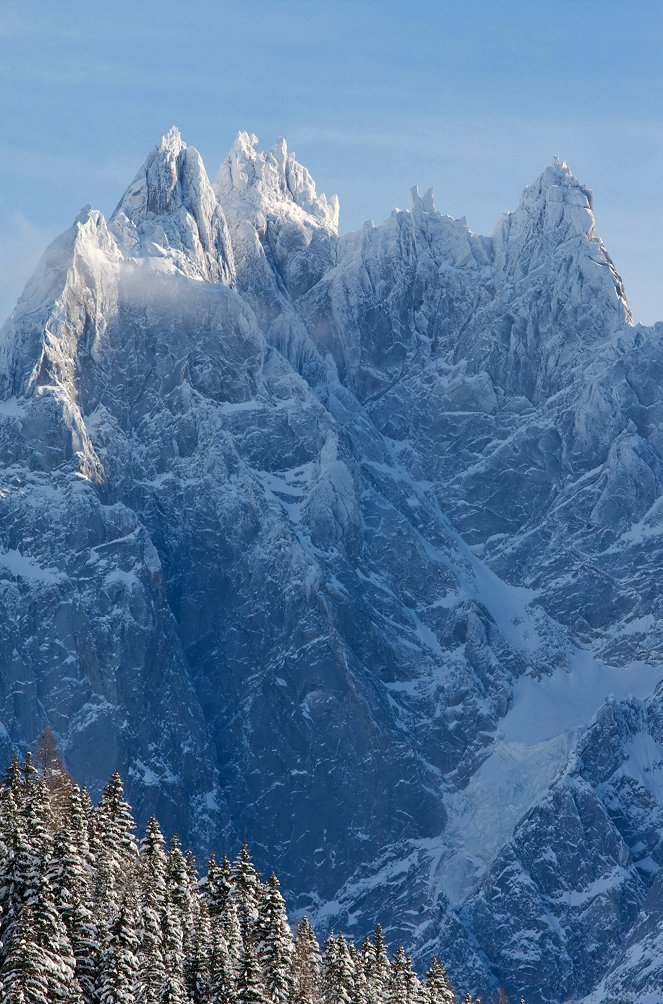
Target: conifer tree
338, 975
116, 824
69, 874
307, 965
217, 886
178, 920
117, 851
51, 768
403, 983
23, 977
197, 963
232, 931
275, 948
249, 989
17, 863
152, 896
120, 964
50, 935
438, 985
12, 780
246, 890
223, 982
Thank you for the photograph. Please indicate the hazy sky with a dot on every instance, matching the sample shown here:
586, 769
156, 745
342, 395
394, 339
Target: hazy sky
472, 97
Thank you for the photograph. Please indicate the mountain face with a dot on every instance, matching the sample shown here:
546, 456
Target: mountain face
352, 546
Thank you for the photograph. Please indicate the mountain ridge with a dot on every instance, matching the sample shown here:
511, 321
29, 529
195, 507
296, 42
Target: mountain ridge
321, 505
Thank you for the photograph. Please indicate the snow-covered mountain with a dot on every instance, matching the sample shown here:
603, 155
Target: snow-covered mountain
352, 546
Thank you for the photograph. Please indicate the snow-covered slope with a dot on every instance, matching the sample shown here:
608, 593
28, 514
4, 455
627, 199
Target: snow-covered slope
352, 546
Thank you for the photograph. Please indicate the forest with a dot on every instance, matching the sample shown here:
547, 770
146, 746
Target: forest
93, 915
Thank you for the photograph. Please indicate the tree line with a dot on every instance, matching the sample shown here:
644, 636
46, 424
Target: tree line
91, 915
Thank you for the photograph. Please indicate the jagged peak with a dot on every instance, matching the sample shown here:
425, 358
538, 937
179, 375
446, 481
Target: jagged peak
158, 188
425, 201
555, 217
170, 210
558, 186
272, 181
171, 141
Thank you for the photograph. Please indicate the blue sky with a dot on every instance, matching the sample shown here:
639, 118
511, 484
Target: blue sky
472, 97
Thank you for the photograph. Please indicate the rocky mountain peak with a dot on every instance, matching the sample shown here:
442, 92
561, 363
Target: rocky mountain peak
170, 211
551, 238
272, 182
363, 544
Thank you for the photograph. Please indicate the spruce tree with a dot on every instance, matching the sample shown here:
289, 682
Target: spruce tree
250, 988
23, 976
438, 985
217, 886
69, 874
338, 972
178, 921
403, 982
17, 863
307, 965
232, 931
50, 934
246, 890
380, 974
120, 963
116, 849
223, 978
275, 948
153, 905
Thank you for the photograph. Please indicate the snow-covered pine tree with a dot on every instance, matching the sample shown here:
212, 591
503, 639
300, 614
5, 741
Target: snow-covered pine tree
250, 988
69, 874
360, 982
217, 885
223, 979
152, 901
274, 940
23, 977
38, 828
338, 972
50, 935
378, 967
120, 964
116, 850
232, 931
437, 984
179, 918
12, 780
246, 890
197, 962
307, 965
16, 862
116, 825
403, 985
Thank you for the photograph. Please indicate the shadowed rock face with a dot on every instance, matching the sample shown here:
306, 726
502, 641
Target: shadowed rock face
343, 545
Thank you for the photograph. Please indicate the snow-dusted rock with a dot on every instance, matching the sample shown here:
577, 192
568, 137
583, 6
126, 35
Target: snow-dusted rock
349, 542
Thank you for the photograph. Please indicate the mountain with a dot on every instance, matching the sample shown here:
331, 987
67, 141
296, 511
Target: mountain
351, 546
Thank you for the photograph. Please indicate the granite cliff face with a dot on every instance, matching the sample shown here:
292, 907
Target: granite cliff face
351, 545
